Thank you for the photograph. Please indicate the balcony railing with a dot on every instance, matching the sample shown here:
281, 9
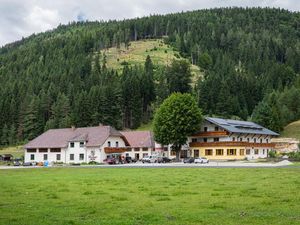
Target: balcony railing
211, 134
232, 143
110, 150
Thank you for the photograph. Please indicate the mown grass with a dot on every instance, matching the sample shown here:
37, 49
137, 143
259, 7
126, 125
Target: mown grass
150, 196
160, 53
292, 130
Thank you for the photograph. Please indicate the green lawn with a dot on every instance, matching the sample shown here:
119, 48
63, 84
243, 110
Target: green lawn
150, 196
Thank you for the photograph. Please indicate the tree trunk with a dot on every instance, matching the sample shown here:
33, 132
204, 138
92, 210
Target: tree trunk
177, 148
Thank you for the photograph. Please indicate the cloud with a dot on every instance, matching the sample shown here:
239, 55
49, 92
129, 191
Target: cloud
21, 18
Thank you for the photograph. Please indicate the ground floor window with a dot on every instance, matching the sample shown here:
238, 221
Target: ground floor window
208, 152
145, 154
173, 153
256, 151
183, 153
32, 157
263, 151
196, 153
81, 156
45, 157
242, 151
57, 157
219, 152
71, 156
137, 156
248, 152
231, 151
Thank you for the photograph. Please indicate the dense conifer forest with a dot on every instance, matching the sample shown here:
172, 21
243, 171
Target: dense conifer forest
250, 58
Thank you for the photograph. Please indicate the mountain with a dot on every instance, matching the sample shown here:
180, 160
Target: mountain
64, 77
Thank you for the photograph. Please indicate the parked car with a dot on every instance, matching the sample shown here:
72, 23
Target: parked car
189, 160
27, 164
128, 159
201, 160
163, 160
149, 159
17, 163
111, 161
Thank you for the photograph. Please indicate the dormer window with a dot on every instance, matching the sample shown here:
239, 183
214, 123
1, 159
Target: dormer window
108, 144
216, 128
254, 140
205, 129
72, 144
117, 144
233, 139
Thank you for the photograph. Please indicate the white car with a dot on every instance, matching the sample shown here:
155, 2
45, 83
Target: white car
149, 159
201, 160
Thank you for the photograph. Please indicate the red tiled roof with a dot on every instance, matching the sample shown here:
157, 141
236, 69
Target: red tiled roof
59, 138
141, 139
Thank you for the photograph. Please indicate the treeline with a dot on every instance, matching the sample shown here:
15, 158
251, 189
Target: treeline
53, 79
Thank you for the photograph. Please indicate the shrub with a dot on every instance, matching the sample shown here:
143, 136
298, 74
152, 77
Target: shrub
272, 154
294, 155
93, 163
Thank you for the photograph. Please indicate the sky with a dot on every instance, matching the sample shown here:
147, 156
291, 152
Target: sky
21, 18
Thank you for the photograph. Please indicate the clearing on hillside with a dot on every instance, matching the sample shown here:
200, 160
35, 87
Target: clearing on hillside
292, 130
160, 53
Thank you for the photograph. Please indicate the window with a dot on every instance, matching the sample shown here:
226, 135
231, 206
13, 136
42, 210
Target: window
55, 150
256, 151
81, 144
248, 152
32, 157
216, 139
242, 151
108, 144
81, 156
233, 139
194, 139
71, 156
248, 139
43, 150
145, 154
208, 152
241, 139
196, 153
254, 140
45, 157
117, 144
205, 129
216, 128
173, 152
145, 149
57, 157
263, 151
129, 149
231, 151
261, 140
204, 139
165, 149
267, 140
72, 144
219, 152
31, 150
136, 149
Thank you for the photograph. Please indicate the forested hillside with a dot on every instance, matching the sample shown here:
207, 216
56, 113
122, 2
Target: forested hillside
250, 59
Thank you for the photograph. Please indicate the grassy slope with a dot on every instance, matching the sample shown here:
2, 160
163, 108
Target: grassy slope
137, 52
292, 130
149, 196
16, 151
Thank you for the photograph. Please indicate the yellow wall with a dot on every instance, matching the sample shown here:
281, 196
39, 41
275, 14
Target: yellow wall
221, 157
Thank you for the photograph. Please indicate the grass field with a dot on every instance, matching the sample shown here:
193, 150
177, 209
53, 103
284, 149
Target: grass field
150, 196
160, 53
292, 130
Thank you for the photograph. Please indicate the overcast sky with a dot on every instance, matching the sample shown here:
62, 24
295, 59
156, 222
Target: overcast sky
20, 18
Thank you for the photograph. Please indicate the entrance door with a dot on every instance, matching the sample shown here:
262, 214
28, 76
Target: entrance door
196, 153
137, 156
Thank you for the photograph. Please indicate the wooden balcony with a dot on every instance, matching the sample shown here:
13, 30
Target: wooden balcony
110, 150
211, 134
232, 144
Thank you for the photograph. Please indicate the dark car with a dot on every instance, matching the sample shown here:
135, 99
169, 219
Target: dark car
27, 164
189, 160
163, 160
128, 159
17, 163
